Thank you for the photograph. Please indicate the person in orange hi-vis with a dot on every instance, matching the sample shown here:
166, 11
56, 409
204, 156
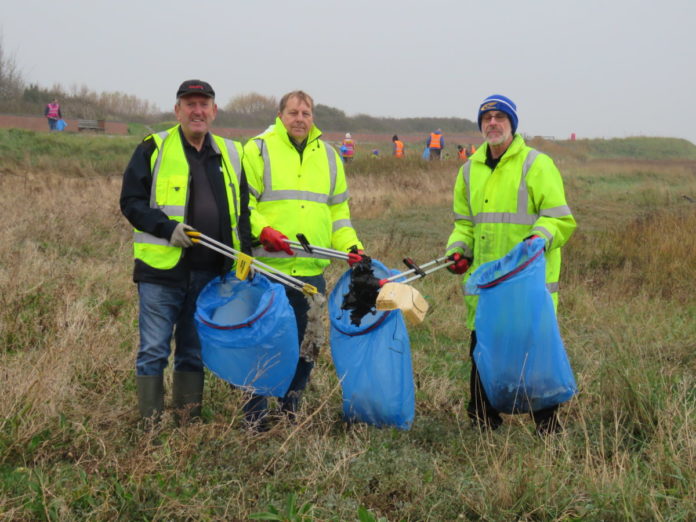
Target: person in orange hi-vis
398, 147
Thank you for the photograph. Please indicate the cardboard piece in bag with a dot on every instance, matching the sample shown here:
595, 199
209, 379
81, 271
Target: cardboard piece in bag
400, 296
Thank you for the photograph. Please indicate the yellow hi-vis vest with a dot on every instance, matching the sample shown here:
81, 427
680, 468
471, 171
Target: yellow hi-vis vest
294, 194
170, 192
495, 210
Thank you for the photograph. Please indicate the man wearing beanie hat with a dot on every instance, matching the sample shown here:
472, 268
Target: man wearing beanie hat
505, 193
180, 179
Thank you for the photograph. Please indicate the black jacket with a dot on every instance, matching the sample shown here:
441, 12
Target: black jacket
135, 205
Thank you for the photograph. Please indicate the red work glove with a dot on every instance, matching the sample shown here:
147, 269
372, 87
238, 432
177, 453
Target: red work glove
355, 257
274, 241
461, 263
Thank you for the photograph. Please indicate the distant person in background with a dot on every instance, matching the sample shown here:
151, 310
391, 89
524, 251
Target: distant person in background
180, 179
435, 144
398, 147
490, 220
348, 148
461, 151
53, 114
472, 150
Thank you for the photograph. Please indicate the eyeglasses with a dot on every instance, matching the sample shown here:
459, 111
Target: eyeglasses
500, 116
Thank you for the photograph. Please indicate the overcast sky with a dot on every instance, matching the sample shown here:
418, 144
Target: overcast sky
608, 68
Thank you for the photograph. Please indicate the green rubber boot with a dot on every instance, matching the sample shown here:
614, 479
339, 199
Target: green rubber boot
187, 396
150, 398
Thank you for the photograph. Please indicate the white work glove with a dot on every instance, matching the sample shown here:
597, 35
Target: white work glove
179, 237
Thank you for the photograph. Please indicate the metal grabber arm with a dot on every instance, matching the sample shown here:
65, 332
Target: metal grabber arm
245, 262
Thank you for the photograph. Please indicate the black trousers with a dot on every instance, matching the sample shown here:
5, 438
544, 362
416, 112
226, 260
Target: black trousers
257, 405
482, 411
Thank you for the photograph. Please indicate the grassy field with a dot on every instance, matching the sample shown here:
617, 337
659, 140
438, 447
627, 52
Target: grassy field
70, 448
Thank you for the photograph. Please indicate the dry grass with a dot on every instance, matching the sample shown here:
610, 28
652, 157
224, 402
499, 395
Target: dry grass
69, 447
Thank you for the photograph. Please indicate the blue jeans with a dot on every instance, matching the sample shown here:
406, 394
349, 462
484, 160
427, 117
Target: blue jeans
257, 405
166, 310
52, 124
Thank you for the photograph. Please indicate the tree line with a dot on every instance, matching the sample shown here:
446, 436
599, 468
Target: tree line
249, 110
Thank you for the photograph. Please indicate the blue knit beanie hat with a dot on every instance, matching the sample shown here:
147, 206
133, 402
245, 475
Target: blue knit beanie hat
498, 102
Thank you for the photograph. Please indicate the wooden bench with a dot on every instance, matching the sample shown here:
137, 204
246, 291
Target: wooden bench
90, 125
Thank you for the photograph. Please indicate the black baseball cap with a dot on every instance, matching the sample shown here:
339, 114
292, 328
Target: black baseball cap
195, 87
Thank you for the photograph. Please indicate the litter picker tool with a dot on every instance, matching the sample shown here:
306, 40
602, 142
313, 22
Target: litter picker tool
245, 263
302, 245
367, 291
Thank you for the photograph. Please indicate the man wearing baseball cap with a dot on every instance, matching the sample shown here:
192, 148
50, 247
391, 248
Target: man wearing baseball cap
505, 193
181, 179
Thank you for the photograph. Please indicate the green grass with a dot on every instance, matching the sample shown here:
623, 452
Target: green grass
70, 448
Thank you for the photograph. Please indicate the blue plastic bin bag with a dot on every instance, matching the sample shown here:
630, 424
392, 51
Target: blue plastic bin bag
519, 353
373, 361
248, 333
426, 153
61, 124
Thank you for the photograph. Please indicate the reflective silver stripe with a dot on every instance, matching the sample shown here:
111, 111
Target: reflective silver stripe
296, 195
333, 169
144, 237
461, 217
466, 173
340, 223
155, 171
339, 198
523, 191
262, 252
543, 231
234, 157
172, 210
460, 244
254, 192
521, 217
267, 184
556, 212
277, 195
506, 217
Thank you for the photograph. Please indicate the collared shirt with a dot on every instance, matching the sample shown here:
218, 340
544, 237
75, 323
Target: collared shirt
492, 162
203, 212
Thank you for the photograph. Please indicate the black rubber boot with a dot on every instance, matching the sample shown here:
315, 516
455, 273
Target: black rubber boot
150, 398
547, 422
481, 412
187, 396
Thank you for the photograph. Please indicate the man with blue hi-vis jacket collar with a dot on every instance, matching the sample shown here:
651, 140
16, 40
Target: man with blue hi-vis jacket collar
505, 193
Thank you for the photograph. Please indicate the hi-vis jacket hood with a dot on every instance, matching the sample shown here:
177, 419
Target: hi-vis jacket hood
298, 193
496, 209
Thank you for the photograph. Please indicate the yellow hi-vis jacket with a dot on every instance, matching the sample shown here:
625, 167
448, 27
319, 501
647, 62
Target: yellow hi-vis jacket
496, 209
170, 191
294, 194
